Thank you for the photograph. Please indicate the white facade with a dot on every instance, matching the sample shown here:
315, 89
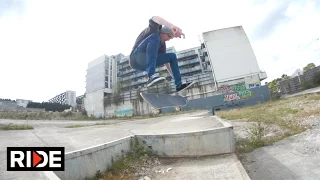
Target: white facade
101, 74
68, 97
100, 79
231, 54
71, 98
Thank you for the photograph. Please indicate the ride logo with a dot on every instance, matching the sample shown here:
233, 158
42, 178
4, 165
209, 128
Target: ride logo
35, 158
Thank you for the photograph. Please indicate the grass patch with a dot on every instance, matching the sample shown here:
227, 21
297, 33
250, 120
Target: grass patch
285, 113
85, 125
77, 126
129, 164
15, 127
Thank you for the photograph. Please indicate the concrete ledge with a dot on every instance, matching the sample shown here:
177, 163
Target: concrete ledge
84, 163
201, 143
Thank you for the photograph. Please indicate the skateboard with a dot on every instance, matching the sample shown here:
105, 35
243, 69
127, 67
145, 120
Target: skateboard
159, 101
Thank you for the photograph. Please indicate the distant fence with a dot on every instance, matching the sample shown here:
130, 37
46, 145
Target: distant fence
298, 83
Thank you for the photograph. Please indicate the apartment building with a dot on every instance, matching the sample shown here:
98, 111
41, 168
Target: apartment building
190, 64
100, 80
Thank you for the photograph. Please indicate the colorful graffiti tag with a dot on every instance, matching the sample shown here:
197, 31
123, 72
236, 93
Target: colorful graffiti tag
238, 95
233, 88
125, 112
231, 97
245, 94
235, 92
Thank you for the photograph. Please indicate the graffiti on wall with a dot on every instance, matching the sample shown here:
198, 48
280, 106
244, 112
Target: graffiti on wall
235, 92
233, 88
231, 97
124, 112
238, 95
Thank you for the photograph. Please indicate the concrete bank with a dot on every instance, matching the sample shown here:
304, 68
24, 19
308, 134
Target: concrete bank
87, 162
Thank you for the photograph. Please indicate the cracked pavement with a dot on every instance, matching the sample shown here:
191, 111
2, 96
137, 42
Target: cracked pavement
54, 133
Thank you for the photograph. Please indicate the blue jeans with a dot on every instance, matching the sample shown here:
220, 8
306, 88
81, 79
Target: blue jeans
147, 58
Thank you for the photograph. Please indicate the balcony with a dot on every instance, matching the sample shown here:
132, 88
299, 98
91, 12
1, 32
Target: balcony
123, 66
187, 70
186, 54
136, 75
262, 75
133, 83
123, 60
121, 73
183, 63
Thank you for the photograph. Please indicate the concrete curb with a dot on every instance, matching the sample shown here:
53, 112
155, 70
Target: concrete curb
243, 172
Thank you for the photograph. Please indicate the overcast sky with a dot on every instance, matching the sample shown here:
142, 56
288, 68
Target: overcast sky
45, 46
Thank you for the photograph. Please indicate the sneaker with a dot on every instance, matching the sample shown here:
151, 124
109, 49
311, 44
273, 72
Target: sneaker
154, 80
185, 86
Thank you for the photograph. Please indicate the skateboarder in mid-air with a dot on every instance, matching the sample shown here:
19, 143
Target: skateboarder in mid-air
149, 52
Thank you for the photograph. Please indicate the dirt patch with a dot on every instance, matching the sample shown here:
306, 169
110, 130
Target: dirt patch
264, 124
242, 131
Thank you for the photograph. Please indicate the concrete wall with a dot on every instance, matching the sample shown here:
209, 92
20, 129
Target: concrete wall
126, 109
86, 162
93, 103
233, 97
228, 96
210, 142
230, 53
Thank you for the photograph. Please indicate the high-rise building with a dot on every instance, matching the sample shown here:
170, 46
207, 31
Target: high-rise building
232, 57
100, 80
68, 97
101, 74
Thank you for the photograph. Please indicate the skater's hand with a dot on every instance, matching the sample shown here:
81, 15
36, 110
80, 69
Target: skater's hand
177, 32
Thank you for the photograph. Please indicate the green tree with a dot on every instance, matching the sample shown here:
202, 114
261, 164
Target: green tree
274, 89
309, 66
116, 95
107, 100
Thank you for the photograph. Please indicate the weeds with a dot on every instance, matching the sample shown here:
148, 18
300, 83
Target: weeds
285, 113
129, 164
85, 125
15, 127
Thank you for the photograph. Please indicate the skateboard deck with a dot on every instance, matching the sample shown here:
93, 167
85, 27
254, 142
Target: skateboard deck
163, 100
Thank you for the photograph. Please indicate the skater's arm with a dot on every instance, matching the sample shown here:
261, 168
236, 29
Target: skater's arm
169, 69
162, 21
176, 30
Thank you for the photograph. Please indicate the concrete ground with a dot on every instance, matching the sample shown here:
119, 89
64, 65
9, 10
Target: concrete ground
54, 133
221, 167
294, 158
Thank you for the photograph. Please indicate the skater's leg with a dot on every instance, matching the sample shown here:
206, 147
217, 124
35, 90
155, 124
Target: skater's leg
171, 58
146, 54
